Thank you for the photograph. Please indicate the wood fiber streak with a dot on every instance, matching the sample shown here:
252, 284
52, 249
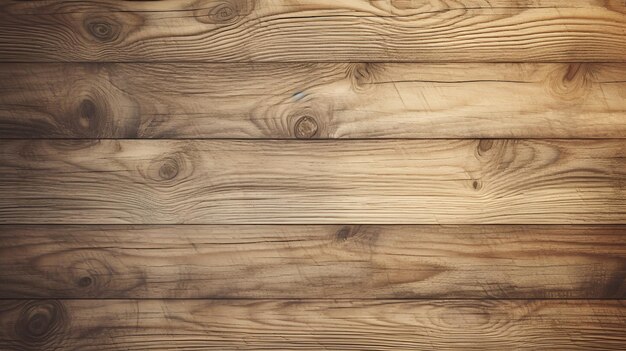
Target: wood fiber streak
312, 261
291, 100
312, 325
323, 182
321, 30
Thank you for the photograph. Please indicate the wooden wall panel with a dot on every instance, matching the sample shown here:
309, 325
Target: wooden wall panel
270, 261
321, 30
322, 182
297, 100
312, 325
462, 185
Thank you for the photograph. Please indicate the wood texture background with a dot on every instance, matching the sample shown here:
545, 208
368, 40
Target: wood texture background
311, 175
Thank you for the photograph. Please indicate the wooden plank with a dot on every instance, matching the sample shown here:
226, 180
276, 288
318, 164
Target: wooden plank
322, 182
312, 325
321, 30
351, 100
313, 261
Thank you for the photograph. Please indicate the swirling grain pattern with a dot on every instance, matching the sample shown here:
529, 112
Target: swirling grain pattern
321, 30
314, 325
312, 101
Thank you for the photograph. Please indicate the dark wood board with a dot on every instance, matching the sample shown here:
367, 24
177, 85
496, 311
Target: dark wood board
133, 325
312, 261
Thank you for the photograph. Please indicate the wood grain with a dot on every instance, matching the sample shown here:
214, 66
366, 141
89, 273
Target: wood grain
462, 185
321, 30
312, 325
312, 261
291, 100
322, 182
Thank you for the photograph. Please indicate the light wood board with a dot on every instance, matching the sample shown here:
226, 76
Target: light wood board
320, 30
322, 182
311, 101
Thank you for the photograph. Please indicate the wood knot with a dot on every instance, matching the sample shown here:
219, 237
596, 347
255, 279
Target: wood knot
169, 169
306, 127
89, 121
362, 75
572, 71
361, 72
40, 322
477, 184
91, 274
571, 82
484, 145
102, 29
172, 167
221, 12
84, 282
346, 233
87, 112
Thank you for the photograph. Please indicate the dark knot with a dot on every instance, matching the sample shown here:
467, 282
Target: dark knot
169, 169
40, 322
103, 30
223, 13
305, 128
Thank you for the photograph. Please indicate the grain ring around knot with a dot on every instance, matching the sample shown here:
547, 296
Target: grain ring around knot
42, 323
223, 13
169, 169
306, 127
103, 30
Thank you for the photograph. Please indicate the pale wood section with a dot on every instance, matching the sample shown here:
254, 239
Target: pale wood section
312, 325
353, 100
321, 30
313, 261
321, 182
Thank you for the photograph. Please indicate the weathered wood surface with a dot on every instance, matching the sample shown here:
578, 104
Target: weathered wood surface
312, 325
352, 100
427, 231
313, 261
281, 30
322, 182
